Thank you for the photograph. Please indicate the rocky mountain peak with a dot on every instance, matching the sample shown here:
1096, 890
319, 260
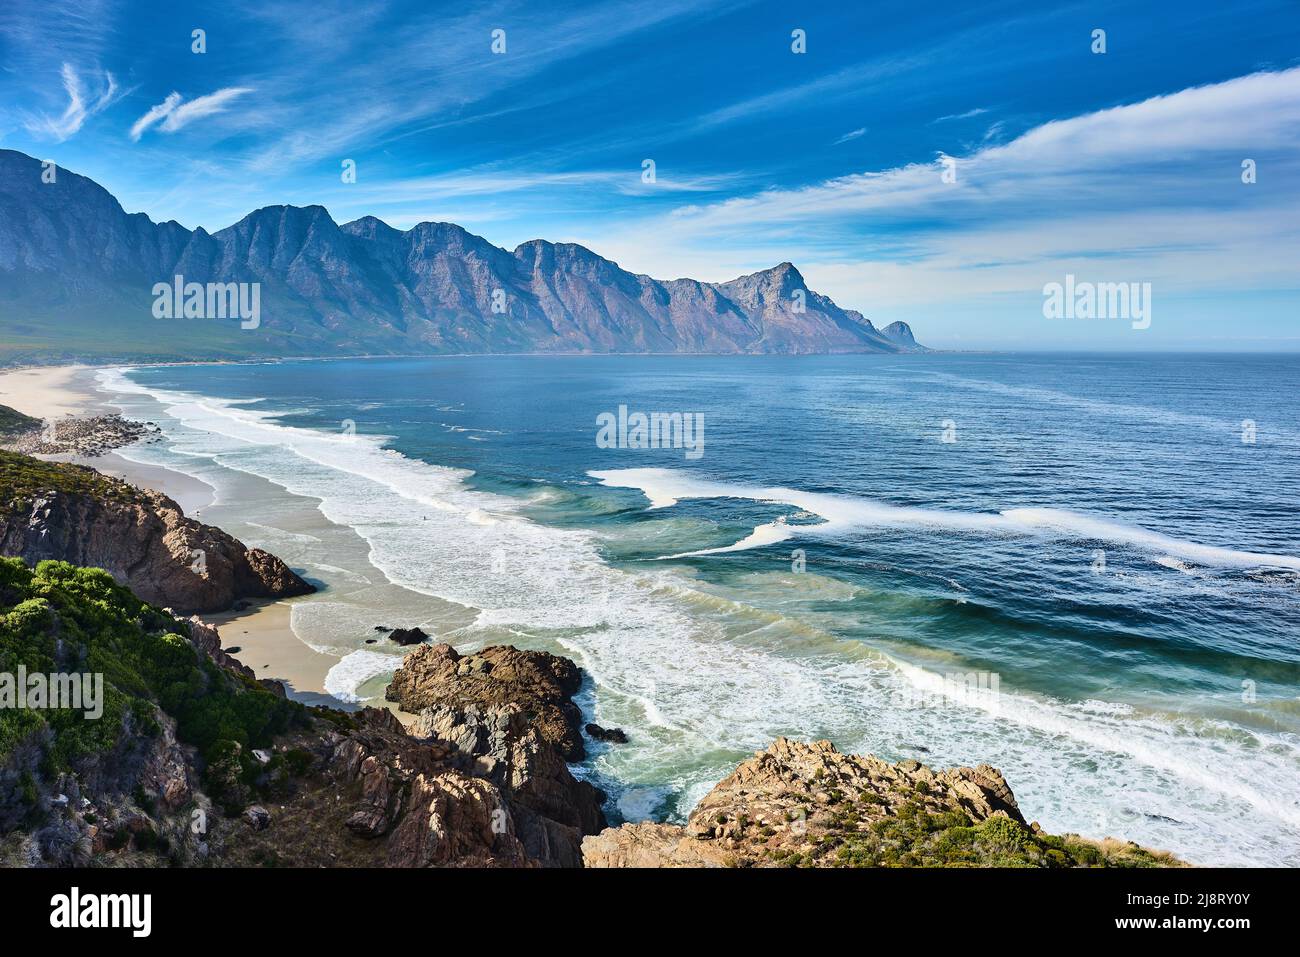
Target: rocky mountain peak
76, 269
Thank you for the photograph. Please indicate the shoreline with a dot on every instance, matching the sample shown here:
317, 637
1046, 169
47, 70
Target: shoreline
262, 631
336, 620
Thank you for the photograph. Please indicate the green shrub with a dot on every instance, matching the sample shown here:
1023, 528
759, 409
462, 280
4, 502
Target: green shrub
61, 618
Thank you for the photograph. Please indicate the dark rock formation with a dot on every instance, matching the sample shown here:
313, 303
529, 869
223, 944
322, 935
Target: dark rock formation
511, 712
407, 636
614, 735
541, 685
414, 800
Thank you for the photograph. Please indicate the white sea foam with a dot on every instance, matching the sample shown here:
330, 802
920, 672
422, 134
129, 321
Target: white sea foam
768, 534
665, 487
353, 670
692, 675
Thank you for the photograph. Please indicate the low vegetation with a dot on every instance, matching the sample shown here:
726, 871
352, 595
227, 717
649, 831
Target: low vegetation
65, 619
23, 477
915, 837
14, 423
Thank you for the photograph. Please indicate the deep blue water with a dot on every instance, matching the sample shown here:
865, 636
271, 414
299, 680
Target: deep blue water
1114, 538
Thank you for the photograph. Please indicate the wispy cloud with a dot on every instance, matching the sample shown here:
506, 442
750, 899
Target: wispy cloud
82, 104
1150, 189
977, 111
175, 114
436, 66
850, 136
155, 114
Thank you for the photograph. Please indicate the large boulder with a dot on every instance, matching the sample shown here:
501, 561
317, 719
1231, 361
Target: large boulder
540, 684
511, 714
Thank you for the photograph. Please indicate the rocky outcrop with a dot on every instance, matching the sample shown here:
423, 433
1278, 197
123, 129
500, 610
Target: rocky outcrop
418, 799
89, 435
408, 636
511, 712
539, 684
809, 805
141, 537
474, 783
612, 735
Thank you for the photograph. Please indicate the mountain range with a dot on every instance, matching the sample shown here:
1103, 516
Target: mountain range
77, 278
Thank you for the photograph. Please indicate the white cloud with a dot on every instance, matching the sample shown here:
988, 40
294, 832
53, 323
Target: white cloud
1149, 191
175, 114
977, 111
850, 136
155, 114
80, 106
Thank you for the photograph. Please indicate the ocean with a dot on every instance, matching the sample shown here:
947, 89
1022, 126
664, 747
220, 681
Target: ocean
1081, 569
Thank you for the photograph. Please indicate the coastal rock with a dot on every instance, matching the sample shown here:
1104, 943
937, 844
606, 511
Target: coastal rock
142, 538
89, 435
614, 735
428, 811
792, 799
540, 684
552, 809
651, 845
511, 714
407, 636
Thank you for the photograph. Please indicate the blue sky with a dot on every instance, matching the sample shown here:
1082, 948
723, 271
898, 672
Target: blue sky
1115, 167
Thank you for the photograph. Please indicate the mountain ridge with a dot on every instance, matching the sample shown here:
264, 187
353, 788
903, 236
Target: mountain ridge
77, 270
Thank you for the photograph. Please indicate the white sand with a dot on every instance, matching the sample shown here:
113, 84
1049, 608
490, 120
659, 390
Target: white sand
48, 393
267, 644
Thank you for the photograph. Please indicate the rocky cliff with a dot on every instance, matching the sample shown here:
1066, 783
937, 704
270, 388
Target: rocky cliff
76, 274
142, 538
194, 762
511, 712
477, 781
808, 805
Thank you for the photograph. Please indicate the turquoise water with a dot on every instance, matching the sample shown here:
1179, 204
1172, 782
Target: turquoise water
1109, 545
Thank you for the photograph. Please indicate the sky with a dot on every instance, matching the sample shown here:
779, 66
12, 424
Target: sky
938, 163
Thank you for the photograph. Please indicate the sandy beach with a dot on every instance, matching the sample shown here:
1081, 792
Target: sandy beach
48, 393
263, 632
